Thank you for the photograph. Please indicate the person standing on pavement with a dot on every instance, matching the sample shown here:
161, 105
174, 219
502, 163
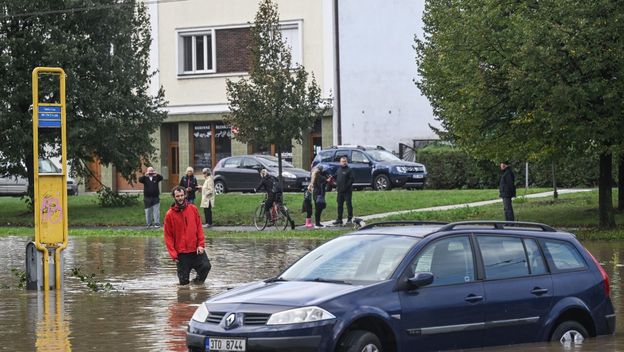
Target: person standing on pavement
184, 238
189, 182
344, 189
317, 186
507, 189
151, 196
208, 196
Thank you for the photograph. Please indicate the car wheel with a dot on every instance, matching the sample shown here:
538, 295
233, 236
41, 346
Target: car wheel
381, 183
219, 187
359, 341
569, 332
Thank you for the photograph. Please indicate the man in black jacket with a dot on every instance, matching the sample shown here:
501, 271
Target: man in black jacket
344, 188
507, 189
151, 196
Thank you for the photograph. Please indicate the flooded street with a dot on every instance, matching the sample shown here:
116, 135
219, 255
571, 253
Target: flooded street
146, 310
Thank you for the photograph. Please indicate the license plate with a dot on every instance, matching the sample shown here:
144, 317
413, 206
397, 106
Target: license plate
225, 344
418, 176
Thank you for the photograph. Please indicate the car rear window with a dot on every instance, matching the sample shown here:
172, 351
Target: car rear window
563, 255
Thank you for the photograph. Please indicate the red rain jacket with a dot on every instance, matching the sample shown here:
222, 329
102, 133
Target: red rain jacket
183, 230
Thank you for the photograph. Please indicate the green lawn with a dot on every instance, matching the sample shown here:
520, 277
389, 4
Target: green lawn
237, 208
574, 212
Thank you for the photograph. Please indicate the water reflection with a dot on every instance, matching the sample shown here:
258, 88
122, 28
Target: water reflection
148, 311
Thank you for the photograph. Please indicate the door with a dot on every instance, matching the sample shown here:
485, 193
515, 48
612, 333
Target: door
174, 167
362, 168
250, 173
230, 172
518, 287
448, 313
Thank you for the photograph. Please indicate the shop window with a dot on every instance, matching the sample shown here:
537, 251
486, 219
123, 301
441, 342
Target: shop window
223, 141
202, 141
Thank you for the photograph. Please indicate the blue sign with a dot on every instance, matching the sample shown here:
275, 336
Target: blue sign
49, 116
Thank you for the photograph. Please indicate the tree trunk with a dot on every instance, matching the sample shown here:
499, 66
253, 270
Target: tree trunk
554, 181
605, 200
621, 181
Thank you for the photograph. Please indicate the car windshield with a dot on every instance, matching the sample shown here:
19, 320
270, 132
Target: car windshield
271, 161
382, 155
352, 259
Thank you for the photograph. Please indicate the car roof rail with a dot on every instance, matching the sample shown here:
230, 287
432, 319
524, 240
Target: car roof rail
401, 223
498, 225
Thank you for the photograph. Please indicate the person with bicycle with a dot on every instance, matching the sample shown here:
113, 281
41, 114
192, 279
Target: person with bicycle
274, 194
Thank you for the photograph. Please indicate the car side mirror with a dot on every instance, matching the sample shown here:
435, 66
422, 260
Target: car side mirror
420, 280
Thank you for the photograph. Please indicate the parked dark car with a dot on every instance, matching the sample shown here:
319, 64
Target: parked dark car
374, 167
417, 287
242, 173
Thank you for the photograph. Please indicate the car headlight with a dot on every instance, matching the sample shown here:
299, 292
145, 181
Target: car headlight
401, 169
299, 315
201, 314
288, 174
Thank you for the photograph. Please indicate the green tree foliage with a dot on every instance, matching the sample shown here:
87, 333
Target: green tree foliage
275, 104
527, 80
103, 46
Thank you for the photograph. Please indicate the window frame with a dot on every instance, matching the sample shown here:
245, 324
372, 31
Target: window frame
193, 33
520, 239
551, 263
477, 274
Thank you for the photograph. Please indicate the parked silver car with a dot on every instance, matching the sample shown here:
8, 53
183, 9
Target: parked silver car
18, 185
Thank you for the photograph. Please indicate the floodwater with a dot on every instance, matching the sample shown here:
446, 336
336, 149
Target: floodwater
146, 310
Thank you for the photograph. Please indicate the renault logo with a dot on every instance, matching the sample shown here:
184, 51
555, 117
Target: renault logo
230, 320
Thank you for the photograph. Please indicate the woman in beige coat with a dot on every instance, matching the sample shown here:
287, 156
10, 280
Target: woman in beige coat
208, 196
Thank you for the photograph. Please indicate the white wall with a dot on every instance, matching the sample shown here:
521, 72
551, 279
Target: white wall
381, 105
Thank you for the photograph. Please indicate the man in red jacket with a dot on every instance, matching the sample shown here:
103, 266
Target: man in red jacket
184, 238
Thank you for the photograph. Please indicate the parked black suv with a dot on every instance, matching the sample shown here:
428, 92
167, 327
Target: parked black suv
373, 167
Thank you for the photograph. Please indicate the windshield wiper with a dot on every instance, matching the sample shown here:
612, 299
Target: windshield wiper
275, 279
320, 279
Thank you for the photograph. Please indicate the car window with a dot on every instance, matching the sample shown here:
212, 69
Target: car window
383, 155
251, 163
326, 156
231, 162
354, 258
359, 157
271, 161
536, 260
449, 260
563, 255
340, 154
503, 257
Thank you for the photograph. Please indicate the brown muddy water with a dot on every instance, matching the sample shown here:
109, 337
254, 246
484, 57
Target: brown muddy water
146, 310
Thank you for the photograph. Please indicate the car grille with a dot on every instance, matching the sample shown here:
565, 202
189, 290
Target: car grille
413, 169
249, 318
215, 317
256, 318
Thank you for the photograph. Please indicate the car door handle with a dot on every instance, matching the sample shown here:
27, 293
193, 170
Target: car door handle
472, 298
538, 291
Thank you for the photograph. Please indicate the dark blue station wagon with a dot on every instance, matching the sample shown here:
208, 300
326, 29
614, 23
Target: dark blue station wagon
417, 287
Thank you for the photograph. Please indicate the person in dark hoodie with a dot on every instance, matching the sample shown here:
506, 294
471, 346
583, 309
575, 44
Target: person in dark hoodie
184, 238
344, 189
274, 194
507, 189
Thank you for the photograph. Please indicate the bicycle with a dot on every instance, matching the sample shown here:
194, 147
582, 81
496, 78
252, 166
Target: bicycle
278, 216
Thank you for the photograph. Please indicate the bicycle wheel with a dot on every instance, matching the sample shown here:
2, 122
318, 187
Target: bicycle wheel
281, 222
259, 219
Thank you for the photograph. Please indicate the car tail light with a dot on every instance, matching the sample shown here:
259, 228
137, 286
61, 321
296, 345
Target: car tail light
605, 277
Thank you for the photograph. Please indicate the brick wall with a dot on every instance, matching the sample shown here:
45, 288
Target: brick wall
233, 50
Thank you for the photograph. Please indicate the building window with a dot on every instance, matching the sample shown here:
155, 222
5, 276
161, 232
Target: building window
202, 142
223, 141
292, 40
196, 53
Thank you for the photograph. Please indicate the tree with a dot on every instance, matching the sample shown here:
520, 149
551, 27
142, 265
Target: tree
103, 46
275, 104
527, 80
